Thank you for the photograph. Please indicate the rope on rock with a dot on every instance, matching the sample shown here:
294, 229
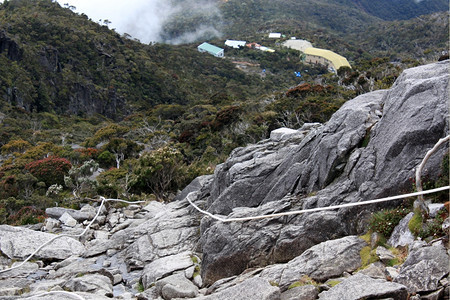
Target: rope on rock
297, 212
422, 164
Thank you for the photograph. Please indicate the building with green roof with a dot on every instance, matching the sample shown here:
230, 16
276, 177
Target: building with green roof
327, 58
211, 49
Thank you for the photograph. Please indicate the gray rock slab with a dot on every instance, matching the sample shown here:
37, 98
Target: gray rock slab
46, 285
434, 208
91, 283
13, 286
68, 220
384, 254
376, 270
164, 266
306, 292
284, 134
23, 271
59, 295
320, 262
253, 288
196, 185
361, 286
167, 229
86, 213
74, 266
18, 242
402, 236
424, 267
176, 286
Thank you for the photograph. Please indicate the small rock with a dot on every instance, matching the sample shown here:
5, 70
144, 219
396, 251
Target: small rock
91, 283
402, 236
51, 224
434, 208
375, 270
176, 286
384, 254
68, 220
198, 281
161, 267
375, 239
113, 220
446, 225
101, 235
284, 134
434, 295
306, 292
189, 272
118, 278
391, 272
13, 286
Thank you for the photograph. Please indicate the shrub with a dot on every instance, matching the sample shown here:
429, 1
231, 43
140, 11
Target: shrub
385, 221
50, 170
27, 215
161, 171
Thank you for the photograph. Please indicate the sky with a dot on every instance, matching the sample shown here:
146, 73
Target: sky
142, 19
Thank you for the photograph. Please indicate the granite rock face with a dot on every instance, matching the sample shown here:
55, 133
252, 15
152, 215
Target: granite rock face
368, 149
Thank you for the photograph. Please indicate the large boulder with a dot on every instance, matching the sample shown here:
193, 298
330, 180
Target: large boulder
17, 242
321, 262
253, 288
368, 149
361, 286
165, 266
167, 229
425, 266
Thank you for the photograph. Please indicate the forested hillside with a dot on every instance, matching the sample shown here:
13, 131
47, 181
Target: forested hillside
76, 96
401, 9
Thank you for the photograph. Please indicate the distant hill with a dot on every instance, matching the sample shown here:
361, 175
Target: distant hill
245, 17
52, 59
401, 9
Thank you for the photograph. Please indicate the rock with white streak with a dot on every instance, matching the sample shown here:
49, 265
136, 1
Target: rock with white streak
17, 242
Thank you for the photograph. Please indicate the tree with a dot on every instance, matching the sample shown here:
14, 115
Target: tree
16, 146
161, 171
122, 149
79, 179
50, 170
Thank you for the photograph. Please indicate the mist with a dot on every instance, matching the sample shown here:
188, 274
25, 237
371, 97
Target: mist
154, 20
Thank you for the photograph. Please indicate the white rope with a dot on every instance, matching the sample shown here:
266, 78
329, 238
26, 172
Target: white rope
69, 235
56, 292
422, 164
297, 212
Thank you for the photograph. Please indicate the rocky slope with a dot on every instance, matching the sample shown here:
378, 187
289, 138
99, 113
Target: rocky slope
368, 149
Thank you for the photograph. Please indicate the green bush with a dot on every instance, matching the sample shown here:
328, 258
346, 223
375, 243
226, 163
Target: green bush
385, 220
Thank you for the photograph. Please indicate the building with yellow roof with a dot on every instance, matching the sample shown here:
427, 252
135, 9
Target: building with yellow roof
327, 58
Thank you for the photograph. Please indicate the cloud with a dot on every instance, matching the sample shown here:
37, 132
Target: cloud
148, 20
